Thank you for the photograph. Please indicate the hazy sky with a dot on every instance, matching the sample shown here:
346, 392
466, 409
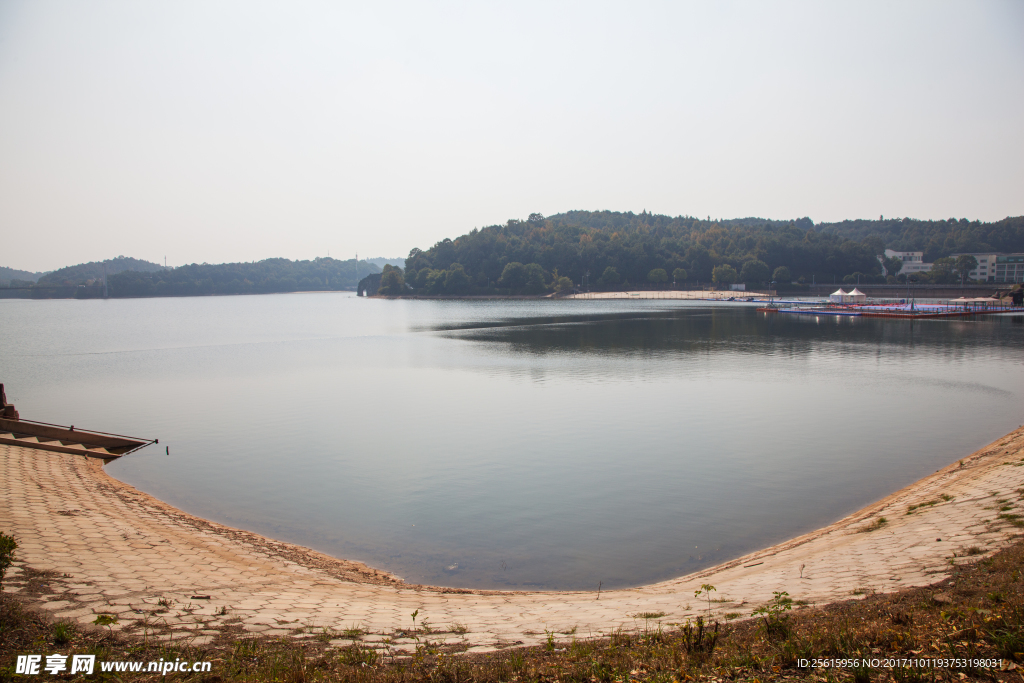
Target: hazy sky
226, 131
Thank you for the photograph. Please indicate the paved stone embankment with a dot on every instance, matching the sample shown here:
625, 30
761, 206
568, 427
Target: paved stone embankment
114, 550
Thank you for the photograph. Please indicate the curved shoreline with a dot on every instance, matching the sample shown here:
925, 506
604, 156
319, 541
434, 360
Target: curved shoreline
117, 550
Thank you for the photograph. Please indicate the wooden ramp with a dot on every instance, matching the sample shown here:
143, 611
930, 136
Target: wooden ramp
48, 437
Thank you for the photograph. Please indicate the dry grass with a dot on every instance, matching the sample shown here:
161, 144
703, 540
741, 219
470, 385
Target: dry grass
874, 526
977, 613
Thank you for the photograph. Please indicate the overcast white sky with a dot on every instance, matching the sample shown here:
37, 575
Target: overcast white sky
223, 131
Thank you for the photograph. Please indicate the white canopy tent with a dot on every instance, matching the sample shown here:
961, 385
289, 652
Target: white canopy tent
857, 297
838, 296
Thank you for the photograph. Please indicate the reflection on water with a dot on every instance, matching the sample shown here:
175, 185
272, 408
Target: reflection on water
531, 444
690, 329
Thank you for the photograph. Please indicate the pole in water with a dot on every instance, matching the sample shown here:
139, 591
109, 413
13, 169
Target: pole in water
168, 450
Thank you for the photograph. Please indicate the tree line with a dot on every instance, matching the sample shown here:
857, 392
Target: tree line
605, 249
598, 249
80, 274
259, 277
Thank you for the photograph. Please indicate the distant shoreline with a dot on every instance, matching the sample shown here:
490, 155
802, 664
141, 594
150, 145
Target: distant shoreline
873, 291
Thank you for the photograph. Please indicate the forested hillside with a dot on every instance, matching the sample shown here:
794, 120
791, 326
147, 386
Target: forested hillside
258, 277
382, 261
261, 277
18, 277
94, 270
607, 248
937, 239
601, 249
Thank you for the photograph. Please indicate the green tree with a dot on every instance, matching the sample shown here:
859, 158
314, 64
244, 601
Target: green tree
724, 275
782, 275
435, 281
965, 263
563, 284
455, 280
943, 272
610, 276
513, 276
657, 276
679, 275
755, 270
392, 282
893, 265
855, 278
418, 279
534, 279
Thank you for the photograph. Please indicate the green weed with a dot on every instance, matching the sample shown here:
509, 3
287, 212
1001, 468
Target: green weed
875, 525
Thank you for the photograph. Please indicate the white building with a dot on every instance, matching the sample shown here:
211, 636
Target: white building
997, 267
913, 261
1009, 268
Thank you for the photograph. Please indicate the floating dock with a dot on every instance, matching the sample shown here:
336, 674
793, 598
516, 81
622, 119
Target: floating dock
912, 311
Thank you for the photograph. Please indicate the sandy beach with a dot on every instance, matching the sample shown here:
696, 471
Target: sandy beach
688, 294
165, 574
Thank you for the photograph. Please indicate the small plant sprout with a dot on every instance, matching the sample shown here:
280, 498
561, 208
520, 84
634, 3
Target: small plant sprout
699, 639
647, 616
414, 615
706, 589
774, 614
107, 620
7, 547
62, 632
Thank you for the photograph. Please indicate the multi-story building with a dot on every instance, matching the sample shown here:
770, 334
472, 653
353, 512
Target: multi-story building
986, 268
913, 261
992, 267
996, 267
1009, 268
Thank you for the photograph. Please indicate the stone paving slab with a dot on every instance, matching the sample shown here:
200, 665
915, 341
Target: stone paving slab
116, 550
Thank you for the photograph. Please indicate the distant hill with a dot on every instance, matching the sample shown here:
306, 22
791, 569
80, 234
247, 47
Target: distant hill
8, 274
83, 273
380, 262
608, 248
936, 239
261, 277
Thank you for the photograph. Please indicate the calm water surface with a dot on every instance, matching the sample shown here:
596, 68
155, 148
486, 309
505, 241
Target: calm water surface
538, 444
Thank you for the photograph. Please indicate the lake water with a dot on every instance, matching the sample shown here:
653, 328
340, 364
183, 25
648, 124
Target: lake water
521, 445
